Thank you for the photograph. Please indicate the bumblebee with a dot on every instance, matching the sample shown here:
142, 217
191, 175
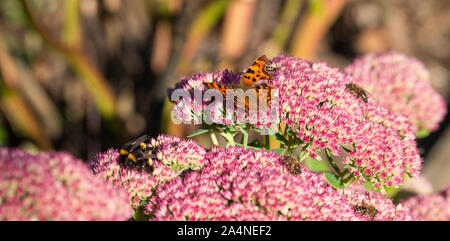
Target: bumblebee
293, 166
137, 154
358, 91
364, 209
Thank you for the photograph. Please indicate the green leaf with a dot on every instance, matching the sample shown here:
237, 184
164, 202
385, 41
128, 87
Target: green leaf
422, 133
280, 151
197, 132
334, 180
368, 185
391, 191
315, 165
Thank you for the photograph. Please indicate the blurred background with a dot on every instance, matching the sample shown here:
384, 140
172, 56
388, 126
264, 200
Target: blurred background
86, 75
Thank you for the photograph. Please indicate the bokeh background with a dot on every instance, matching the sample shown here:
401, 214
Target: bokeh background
86, 75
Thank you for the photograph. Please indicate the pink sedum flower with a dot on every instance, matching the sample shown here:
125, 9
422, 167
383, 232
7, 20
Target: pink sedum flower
173, 156
431, 207
239, 184
402, 84
357, 196
322, 112
316, 104
55, 186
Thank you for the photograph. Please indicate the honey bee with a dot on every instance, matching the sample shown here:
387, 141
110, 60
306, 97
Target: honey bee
357, 90
293, 166
137, 154
364, 209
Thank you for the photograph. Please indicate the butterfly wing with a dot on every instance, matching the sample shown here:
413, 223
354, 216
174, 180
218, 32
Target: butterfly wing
224, 89
262, 92
262, 68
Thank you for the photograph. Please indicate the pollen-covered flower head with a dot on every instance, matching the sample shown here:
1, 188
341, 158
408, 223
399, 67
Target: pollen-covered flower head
320, 108
172, 157
431, 207
240, 184
373, 206
402, 84
56, 186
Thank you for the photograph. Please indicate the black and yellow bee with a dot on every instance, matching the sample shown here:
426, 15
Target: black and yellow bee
137, 154
358, 91
364, 209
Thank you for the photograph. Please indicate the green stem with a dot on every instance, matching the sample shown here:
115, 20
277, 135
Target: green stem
229, 138
289, 150
302, 154
333, 164
267, 142
139, 214
252, 147
245, 137
349, 180
213, 136
345, 174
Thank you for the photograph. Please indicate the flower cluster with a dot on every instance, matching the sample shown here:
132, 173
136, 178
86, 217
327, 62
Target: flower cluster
55, 186
240, 184
432, 207
402, 84
322, 112
193, 110
375, 207
173, 156
180, 155
317, 105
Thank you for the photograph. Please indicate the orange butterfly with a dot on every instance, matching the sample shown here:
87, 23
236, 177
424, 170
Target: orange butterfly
261, 69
